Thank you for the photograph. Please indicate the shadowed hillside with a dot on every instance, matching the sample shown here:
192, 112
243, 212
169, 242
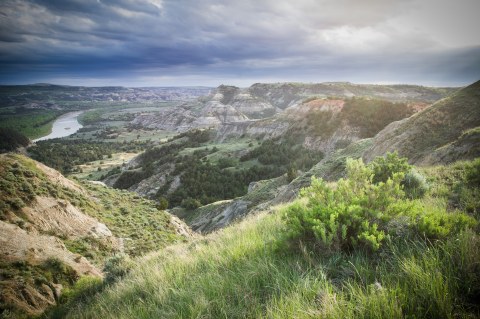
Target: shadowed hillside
442, 133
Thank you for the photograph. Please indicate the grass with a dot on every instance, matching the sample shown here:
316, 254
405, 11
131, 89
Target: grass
143, 227
33, 124
450, 189
253, 270
91, 170
248, 271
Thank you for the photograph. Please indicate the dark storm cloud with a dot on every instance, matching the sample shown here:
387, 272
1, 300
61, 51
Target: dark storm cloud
144, 42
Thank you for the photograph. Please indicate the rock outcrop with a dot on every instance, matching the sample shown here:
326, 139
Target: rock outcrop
228, 104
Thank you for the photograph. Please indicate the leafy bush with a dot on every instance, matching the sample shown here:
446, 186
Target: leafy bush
358, 213
415, 184
438, 224
384, 167
349, 215
162, 203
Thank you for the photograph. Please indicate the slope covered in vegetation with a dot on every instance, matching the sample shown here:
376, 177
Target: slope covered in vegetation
54, 231
363, 247
426, 136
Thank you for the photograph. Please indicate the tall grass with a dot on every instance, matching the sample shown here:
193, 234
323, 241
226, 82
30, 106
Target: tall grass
251, 271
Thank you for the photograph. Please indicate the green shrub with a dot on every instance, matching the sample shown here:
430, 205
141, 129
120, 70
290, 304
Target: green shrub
162, 203
384, 167
190, 203
415, 184
358, 213
347, 216
439, 224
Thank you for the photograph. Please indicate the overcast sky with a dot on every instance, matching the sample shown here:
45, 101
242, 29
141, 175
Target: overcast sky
239, 42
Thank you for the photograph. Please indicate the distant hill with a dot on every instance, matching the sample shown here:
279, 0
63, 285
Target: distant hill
230, 104
283, 95
44, 95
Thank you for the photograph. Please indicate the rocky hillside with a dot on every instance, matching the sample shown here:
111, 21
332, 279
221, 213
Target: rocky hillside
442, 133
54, 230
229, 104
318, 125
251, 133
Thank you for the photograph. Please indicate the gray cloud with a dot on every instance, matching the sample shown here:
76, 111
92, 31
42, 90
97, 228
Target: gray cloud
136, 41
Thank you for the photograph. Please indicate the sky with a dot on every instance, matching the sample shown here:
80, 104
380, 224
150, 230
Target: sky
239, 42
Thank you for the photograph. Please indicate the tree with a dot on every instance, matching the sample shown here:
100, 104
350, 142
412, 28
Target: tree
162, 203
11, 139
291, 173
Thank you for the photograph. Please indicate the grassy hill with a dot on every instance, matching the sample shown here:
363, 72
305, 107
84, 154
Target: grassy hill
258, 269
450, 122
54, 231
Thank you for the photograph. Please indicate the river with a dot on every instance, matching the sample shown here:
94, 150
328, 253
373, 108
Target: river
65, 125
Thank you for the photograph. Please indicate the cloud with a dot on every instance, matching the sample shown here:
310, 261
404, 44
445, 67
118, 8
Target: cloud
131, 40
